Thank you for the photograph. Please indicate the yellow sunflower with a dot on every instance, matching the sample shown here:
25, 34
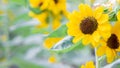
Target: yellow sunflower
89, 64
57, 6
111, 46
88, 25
42, 4
50, 42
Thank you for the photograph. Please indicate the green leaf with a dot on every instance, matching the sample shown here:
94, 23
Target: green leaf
39, 30
22, 31
36, 10
22, 17
19, 2
112, 16
21, 63
66, 45
60, 32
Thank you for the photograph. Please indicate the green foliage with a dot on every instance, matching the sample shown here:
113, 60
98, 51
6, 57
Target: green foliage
66, 45
21, 63
60, 32
23, 17
21, 31
19, 2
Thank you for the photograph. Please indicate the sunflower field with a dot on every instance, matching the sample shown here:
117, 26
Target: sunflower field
59, 33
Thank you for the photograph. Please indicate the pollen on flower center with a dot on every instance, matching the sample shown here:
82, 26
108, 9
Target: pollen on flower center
56, 1
40, 4
88, 25
113, 42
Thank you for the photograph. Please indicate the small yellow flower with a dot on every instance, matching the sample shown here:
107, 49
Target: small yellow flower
111, 46
42, 4
89, 64
88, 25
1, 12
57, 6
50, 42
4, 38
52, 59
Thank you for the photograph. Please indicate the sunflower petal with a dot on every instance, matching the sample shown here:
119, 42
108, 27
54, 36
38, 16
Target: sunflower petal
86, 40
98, 12
85, 10
90, 64
103, 19
118, 15
101, 50
110, 55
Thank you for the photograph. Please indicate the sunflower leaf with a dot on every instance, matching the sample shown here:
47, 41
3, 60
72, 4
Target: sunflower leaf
66, 45
60, 32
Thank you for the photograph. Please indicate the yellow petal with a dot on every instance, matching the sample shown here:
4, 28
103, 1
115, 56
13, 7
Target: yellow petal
82, 66
77, 39
85, 10
118, 15
104, 27
96, 36
116, 29
98, 12
86, 40
101, 50
110, 55
90, 64
50, 42
103, 19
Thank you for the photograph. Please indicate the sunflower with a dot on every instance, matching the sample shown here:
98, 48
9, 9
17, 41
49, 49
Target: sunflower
89, 64
57, 6
88, 25
111, 46
50, 42
42, 4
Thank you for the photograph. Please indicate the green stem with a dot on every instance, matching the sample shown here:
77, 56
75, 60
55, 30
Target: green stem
96, 59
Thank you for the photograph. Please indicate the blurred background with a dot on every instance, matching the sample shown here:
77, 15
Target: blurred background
21, 44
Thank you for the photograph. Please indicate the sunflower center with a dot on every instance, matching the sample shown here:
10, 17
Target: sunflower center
40, 4
113, 42
88, 25
56, 1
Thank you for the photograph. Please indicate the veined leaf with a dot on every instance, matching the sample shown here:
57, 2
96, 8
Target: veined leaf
66, 45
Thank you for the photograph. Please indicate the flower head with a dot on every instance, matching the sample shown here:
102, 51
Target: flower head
111, 46
57, 6
88, 25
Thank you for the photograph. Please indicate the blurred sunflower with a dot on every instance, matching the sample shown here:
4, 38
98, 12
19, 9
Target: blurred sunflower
111, 46
89, 64
42, 4
88, 25
50, 42
42, 18
57, 6
52, 59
